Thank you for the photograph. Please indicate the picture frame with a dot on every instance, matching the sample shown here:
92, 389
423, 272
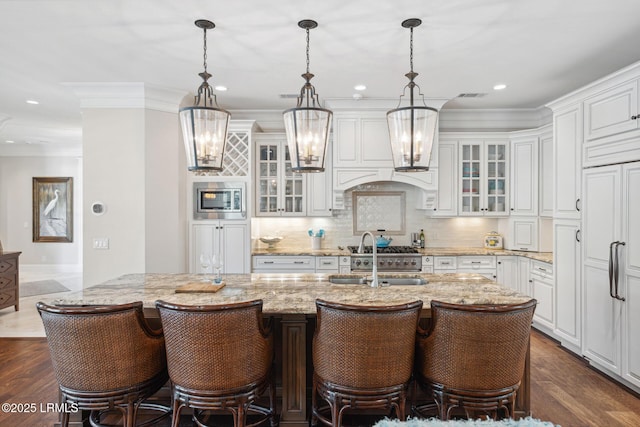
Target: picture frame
53, 209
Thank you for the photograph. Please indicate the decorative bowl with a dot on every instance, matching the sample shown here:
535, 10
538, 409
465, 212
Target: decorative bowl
272, 241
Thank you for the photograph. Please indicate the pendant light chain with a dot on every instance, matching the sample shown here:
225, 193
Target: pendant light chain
307, 50
411, 50
205, 50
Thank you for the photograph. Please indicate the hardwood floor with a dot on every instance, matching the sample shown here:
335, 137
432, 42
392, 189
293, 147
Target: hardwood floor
564, 389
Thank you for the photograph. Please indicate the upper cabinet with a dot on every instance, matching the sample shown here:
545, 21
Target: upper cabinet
483, 178
524, 174
612, 125
279, 191
545, 176
362, 153
446, 197
567, 163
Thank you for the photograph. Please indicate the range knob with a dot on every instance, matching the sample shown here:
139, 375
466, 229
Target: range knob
358, 262
366, 262
413, 263
398, 262
389, 262
406, 263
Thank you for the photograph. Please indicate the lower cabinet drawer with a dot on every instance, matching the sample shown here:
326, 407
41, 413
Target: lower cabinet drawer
476, 262
327, 263
444, 263
284, 264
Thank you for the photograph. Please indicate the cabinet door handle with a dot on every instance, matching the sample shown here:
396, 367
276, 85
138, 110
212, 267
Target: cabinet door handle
617, 270
298, 262
635, 117
267, 262
577, 203
611, 269
578, 236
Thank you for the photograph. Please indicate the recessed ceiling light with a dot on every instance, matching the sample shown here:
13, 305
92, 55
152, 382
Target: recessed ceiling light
359, 87
31, 101
221, 88
500, 86
8, 141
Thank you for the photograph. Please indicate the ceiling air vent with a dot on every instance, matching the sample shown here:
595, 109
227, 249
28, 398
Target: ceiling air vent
472, 95
288, 95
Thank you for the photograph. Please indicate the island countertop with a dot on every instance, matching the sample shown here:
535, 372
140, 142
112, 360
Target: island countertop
293, 293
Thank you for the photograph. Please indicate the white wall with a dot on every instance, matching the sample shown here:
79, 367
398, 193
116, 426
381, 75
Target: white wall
16, 200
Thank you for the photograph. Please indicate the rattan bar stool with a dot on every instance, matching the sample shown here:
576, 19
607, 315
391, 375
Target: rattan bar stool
363, 358
220, 358
105, 358
473, 357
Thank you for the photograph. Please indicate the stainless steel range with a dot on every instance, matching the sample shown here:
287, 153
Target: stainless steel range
390, 259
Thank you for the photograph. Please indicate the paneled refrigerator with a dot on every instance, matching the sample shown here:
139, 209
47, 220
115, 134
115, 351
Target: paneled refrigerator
611, 269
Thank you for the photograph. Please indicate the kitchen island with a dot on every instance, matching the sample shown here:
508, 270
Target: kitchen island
290, 300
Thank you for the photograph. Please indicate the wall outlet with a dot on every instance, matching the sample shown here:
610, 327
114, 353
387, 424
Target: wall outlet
100, 243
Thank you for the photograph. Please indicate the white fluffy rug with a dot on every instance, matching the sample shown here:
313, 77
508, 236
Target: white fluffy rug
434, 422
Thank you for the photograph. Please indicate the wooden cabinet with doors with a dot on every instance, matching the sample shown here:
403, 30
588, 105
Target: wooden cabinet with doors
9, 280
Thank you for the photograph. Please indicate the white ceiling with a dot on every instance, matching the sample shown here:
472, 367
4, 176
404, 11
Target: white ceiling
541, 49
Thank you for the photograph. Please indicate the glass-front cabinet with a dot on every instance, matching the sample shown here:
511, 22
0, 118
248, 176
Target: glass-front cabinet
279, 191
483, 178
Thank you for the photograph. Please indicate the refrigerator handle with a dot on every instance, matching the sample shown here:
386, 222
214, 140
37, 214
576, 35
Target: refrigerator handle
617, 270
611, 269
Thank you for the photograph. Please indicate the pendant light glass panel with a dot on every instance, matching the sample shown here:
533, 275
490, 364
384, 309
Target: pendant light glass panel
204, 131
307, 132
412, 131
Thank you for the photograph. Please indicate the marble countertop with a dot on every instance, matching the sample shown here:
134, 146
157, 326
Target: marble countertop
293, 293
297, 251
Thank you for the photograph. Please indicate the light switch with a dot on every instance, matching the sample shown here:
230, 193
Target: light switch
100, 243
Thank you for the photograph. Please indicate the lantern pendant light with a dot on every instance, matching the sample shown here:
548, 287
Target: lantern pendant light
204, 125
412, 129
307, 125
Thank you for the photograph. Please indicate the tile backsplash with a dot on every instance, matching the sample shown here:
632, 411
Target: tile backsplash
439, 232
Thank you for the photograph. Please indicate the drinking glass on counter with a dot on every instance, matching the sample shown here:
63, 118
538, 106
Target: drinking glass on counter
218, 262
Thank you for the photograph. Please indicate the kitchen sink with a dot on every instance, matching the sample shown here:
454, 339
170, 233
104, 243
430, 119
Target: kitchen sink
382, 281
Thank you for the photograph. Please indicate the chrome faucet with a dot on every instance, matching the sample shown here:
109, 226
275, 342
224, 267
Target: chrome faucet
374, 281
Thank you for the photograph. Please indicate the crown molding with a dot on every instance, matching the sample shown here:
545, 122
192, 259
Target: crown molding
126, 95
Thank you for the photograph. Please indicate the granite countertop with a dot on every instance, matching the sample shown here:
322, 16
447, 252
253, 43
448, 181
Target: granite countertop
293, 293
297, 251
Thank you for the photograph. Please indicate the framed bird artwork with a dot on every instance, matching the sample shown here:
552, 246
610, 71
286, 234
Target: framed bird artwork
52, 209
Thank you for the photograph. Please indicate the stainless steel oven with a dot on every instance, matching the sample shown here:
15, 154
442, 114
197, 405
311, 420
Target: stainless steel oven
219, 200
392, 259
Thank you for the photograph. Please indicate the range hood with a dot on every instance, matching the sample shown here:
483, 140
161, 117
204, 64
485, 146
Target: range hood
347, 178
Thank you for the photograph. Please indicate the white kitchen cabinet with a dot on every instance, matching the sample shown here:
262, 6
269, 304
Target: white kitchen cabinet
524, 276
610, 297
523, 234
279, 190
483, 178
361, 140
545, 180
612, 125
284, 264
327, 264
345, 264
427, 264
444, 264
542, 290
226, 238
567, 163
480, 264
612, 111
319, 194
447, 195
524, 174
507, 272
567, 265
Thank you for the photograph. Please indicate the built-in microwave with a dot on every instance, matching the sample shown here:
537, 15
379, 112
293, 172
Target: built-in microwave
219, 200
